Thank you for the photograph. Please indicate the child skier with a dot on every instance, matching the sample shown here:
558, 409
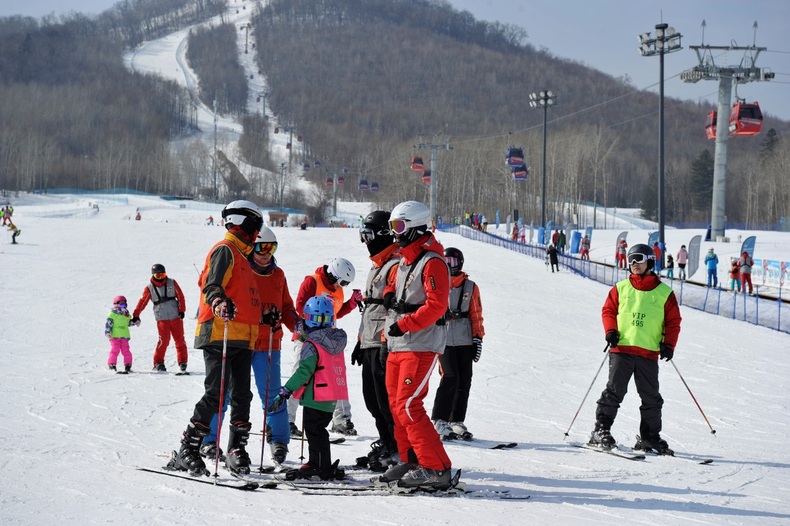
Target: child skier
670, 267
735, 275
117, 331
318, 382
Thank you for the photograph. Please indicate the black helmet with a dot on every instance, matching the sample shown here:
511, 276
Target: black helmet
641, 252
157, 268
455, 260
375, 231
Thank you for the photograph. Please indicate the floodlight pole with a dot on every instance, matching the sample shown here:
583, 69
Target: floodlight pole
543, 100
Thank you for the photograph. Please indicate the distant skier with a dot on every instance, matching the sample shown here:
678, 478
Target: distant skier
745, 264
116, 329
712, 264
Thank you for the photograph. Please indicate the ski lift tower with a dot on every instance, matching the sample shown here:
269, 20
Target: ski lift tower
746, 71
434, 147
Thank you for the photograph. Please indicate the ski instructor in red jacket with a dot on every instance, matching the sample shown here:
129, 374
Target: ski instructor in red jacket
417, 335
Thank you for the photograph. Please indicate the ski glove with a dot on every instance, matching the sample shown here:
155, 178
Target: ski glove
280, 399
389, 300
395, 330
359, 301
384, 352
666, 351
181, 315
612, 337
356, 355
271, 317
135, 321
478, 343
223, 307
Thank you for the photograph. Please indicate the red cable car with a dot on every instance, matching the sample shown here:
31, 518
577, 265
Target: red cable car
330, 182
374, 187
746, 119
520, 173
341, 180
426, 176
288, 146
363, 184
416, 164
710, 125
514, 157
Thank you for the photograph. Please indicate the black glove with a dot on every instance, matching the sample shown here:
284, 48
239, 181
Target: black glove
356, 355
389, 300
135, 320
280, 399
395, 330
612, 337
666, 351
383, 354
181, 315
271, 317
478, 343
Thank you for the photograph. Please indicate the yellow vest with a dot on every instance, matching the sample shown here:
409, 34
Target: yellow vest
640, 315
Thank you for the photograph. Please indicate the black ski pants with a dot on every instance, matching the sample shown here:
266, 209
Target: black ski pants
238, 365
374, 391
452, 395
318, 447
645, 372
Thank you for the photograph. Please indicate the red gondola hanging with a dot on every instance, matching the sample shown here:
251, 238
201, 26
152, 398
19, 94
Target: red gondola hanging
341, 180
288, 146
363, 184
330, 182
374, 187
746, 119
514, 157
426, 176
520, 173
416, 164
710, 125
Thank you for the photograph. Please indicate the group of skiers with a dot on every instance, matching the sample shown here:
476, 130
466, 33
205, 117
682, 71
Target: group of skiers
418, 308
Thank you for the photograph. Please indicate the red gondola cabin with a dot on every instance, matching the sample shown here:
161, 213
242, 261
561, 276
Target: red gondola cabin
514, 157
520, 173
746, 119
710, 125
416, 164
426, 176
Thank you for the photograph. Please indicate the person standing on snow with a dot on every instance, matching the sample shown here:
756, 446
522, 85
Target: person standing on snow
371, 349
683, 257
169, 308
328, 281
417, 335
584, 253
641, 319
227, 330
464, 346
278, 310
745, 264
551, 254
712, 264
116, 329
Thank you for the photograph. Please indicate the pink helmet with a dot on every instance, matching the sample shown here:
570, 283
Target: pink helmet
118, 299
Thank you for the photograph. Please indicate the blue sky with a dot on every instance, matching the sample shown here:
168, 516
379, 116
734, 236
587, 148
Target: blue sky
603, 35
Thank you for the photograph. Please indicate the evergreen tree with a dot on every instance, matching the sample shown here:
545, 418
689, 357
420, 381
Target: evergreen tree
702, 181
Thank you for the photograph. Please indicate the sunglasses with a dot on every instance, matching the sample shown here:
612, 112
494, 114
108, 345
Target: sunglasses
366, 235
398, 226
265, 248
639, 258
160, 275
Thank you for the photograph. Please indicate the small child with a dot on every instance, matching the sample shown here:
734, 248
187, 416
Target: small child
14, 232
735, 275
318, 382
117, 331
670, 267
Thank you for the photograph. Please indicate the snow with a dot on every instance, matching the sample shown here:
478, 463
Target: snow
74, 433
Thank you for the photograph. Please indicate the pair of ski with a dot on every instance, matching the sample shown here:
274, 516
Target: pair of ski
635, 454
238, 481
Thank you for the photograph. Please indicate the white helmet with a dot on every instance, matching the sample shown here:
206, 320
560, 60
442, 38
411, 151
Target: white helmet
245, 214
408, 221
266, 235
342, 270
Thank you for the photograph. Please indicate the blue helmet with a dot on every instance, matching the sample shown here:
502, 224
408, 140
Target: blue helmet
319, 312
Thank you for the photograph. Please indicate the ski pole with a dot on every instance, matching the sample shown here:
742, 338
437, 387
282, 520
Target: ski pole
713, 431
266, 397
606, 352
221, 399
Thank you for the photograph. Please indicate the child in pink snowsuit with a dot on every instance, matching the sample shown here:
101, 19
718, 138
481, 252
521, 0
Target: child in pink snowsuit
117, 331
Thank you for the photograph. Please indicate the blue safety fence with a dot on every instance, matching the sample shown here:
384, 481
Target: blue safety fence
765, 308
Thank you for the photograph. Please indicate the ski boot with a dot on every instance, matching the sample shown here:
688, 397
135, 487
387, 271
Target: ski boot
238, 461
188, 458
279, 452
295, 432
460, 429
209, 450
345, 428
601, 437
444, 430
310, 472
160, 368
112, 368
656, 445
425, 478
127, 368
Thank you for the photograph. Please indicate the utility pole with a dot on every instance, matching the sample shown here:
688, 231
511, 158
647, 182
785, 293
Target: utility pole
707, 69
434, 173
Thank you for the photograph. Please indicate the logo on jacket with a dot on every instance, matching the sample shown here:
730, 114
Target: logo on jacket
407, 381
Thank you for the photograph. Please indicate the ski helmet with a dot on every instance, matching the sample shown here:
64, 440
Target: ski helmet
408, 221
245, 214
118, 299
375, 231
455, 260
266, 242
158, 268
341, 270
319, 312
640, 253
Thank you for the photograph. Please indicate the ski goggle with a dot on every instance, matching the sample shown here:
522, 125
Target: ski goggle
318, 320
366, 234
452, 262
121, 305
265, 248
160, 275
398, 226
639, 258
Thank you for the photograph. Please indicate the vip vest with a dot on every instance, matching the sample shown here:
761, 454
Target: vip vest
374, 316
335, 296
459, 326
164, 300
120, 325
329, 378
640, 315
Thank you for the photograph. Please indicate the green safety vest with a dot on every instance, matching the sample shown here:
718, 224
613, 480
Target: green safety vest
640, 315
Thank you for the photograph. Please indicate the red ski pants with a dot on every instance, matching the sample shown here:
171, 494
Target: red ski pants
168, 328
746, 278
408, 374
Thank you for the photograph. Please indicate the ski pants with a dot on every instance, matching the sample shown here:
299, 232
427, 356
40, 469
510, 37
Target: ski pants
374, 391
237, 381
452, 395
746, 277
276, 421
168, 328
119, 346
408, 374
318, 448
713, 277
682, 271
645, 372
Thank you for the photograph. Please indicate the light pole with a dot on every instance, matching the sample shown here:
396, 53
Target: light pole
282, 184
666, 41
543, 100
246, 28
